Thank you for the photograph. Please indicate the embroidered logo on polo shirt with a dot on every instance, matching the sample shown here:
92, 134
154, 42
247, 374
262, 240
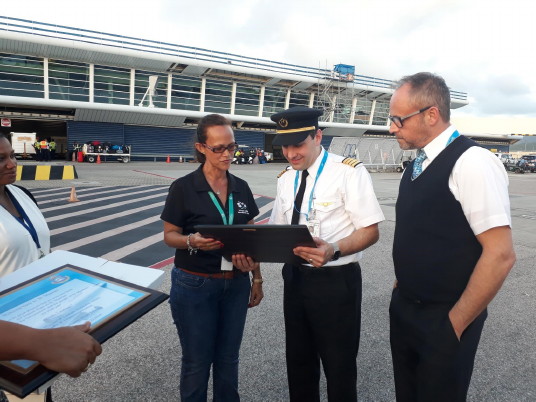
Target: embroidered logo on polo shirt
242, 208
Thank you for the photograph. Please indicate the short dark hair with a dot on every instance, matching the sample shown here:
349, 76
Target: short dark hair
204, 124
428, 89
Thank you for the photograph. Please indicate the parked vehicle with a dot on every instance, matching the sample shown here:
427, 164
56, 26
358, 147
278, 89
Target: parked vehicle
530, 161
243, 155
23, 144
94, 150
400, 168
516, 166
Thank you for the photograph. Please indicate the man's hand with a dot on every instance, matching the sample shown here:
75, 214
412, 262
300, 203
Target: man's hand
496, 261
357, 241
316, 256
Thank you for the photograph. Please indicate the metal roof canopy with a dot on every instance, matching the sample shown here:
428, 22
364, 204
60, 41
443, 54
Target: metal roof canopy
74, 44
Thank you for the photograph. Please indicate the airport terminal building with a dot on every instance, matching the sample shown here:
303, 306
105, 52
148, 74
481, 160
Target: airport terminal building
77, 85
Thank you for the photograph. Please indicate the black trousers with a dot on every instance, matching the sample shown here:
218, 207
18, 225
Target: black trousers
429, 362
322, 309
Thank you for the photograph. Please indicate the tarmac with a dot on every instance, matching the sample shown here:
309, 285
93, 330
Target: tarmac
142, 363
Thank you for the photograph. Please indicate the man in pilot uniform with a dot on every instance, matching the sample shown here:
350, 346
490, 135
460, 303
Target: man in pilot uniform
334, 197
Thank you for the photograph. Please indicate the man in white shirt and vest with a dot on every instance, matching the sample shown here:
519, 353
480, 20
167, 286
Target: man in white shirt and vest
322, 296
452, 246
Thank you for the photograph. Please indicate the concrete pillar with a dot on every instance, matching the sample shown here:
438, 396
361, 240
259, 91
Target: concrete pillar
132, 85
91, 82
45, 78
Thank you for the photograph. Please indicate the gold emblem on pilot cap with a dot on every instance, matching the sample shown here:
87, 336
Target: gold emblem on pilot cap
283, 123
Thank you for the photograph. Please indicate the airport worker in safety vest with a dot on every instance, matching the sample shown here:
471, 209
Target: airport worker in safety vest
52, 146
45, 151
37, 147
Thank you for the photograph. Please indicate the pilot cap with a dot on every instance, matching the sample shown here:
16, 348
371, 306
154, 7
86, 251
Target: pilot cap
295, 124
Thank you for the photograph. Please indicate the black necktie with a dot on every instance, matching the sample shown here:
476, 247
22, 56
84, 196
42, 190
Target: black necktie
299, 199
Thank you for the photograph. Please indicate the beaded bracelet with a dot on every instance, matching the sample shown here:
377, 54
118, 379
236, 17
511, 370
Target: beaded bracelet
191, 250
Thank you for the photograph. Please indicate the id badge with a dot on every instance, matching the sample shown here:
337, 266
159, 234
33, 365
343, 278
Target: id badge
314, 227
226, 265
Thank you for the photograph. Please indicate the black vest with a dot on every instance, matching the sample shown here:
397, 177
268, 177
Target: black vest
434, 250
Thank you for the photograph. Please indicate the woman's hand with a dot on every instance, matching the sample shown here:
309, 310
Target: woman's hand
256, 294
244, 263
204, 243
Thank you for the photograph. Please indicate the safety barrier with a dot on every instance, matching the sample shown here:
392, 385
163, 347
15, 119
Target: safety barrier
46, 172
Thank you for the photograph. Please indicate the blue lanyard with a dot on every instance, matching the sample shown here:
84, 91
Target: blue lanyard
454, 135
24, 220
311, 195
230, 201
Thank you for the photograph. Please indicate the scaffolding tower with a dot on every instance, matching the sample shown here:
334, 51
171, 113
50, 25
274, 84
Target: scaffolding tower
336, 94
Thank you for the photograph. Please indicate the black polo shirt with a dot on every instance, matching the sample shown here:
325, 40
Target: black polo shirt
188, 203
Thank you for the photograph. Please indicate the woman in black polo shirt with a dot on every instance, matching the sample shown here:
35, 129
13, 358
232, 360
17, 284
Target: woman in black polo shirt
209, 296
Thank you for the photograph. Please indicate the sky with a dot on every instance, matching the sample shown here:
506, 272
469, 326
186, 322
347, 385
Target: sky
482, 47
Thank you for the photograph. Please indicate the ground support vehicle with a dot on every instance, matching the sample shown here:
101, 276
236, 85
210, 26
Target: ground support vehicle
92, 153
92, 157
400, 168
23, 144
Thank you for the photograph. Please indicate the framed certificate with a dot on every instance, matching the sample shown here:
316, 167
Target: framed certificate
264, 243
69, 296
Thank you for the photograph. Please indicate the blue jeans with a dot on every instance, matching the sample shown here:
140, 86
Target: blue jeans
210, 315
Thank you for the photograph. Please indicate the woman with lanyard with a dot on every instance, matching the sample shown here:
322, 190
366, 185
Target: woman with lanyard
209, 295
24, 238
24, 234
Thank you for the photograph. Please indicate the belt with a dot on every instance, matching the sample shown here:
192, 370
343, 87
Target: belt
218, 275
303, 267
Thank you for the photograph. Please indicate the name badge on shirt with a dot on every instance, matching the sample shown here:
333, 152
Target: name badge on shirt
226, 265
313, 224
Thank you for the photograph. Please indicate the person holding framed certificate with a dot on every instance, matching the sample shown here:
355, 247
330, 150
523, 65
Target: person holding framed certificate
25, 237
66, 350
210, 295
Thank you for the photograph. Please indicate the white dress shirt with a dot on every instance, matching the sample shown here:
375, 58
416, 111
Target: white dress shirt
478, 181
343, 198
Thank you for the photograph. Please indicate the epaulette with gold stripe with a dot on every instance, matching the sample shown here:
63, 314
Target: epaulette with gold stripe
283, 172
351, 162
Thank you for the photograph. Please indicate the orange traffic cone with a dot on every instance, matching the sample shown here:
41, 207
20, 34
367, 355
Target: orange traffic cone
98, 159
73, 198
168, 160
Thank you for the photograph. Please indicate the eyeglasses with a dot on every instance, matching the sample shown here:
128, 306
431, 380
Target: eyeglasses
222, 148
397, 120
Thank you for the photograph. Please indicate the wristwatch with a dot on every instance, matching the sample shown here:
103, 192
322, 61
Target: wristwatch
336, 251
